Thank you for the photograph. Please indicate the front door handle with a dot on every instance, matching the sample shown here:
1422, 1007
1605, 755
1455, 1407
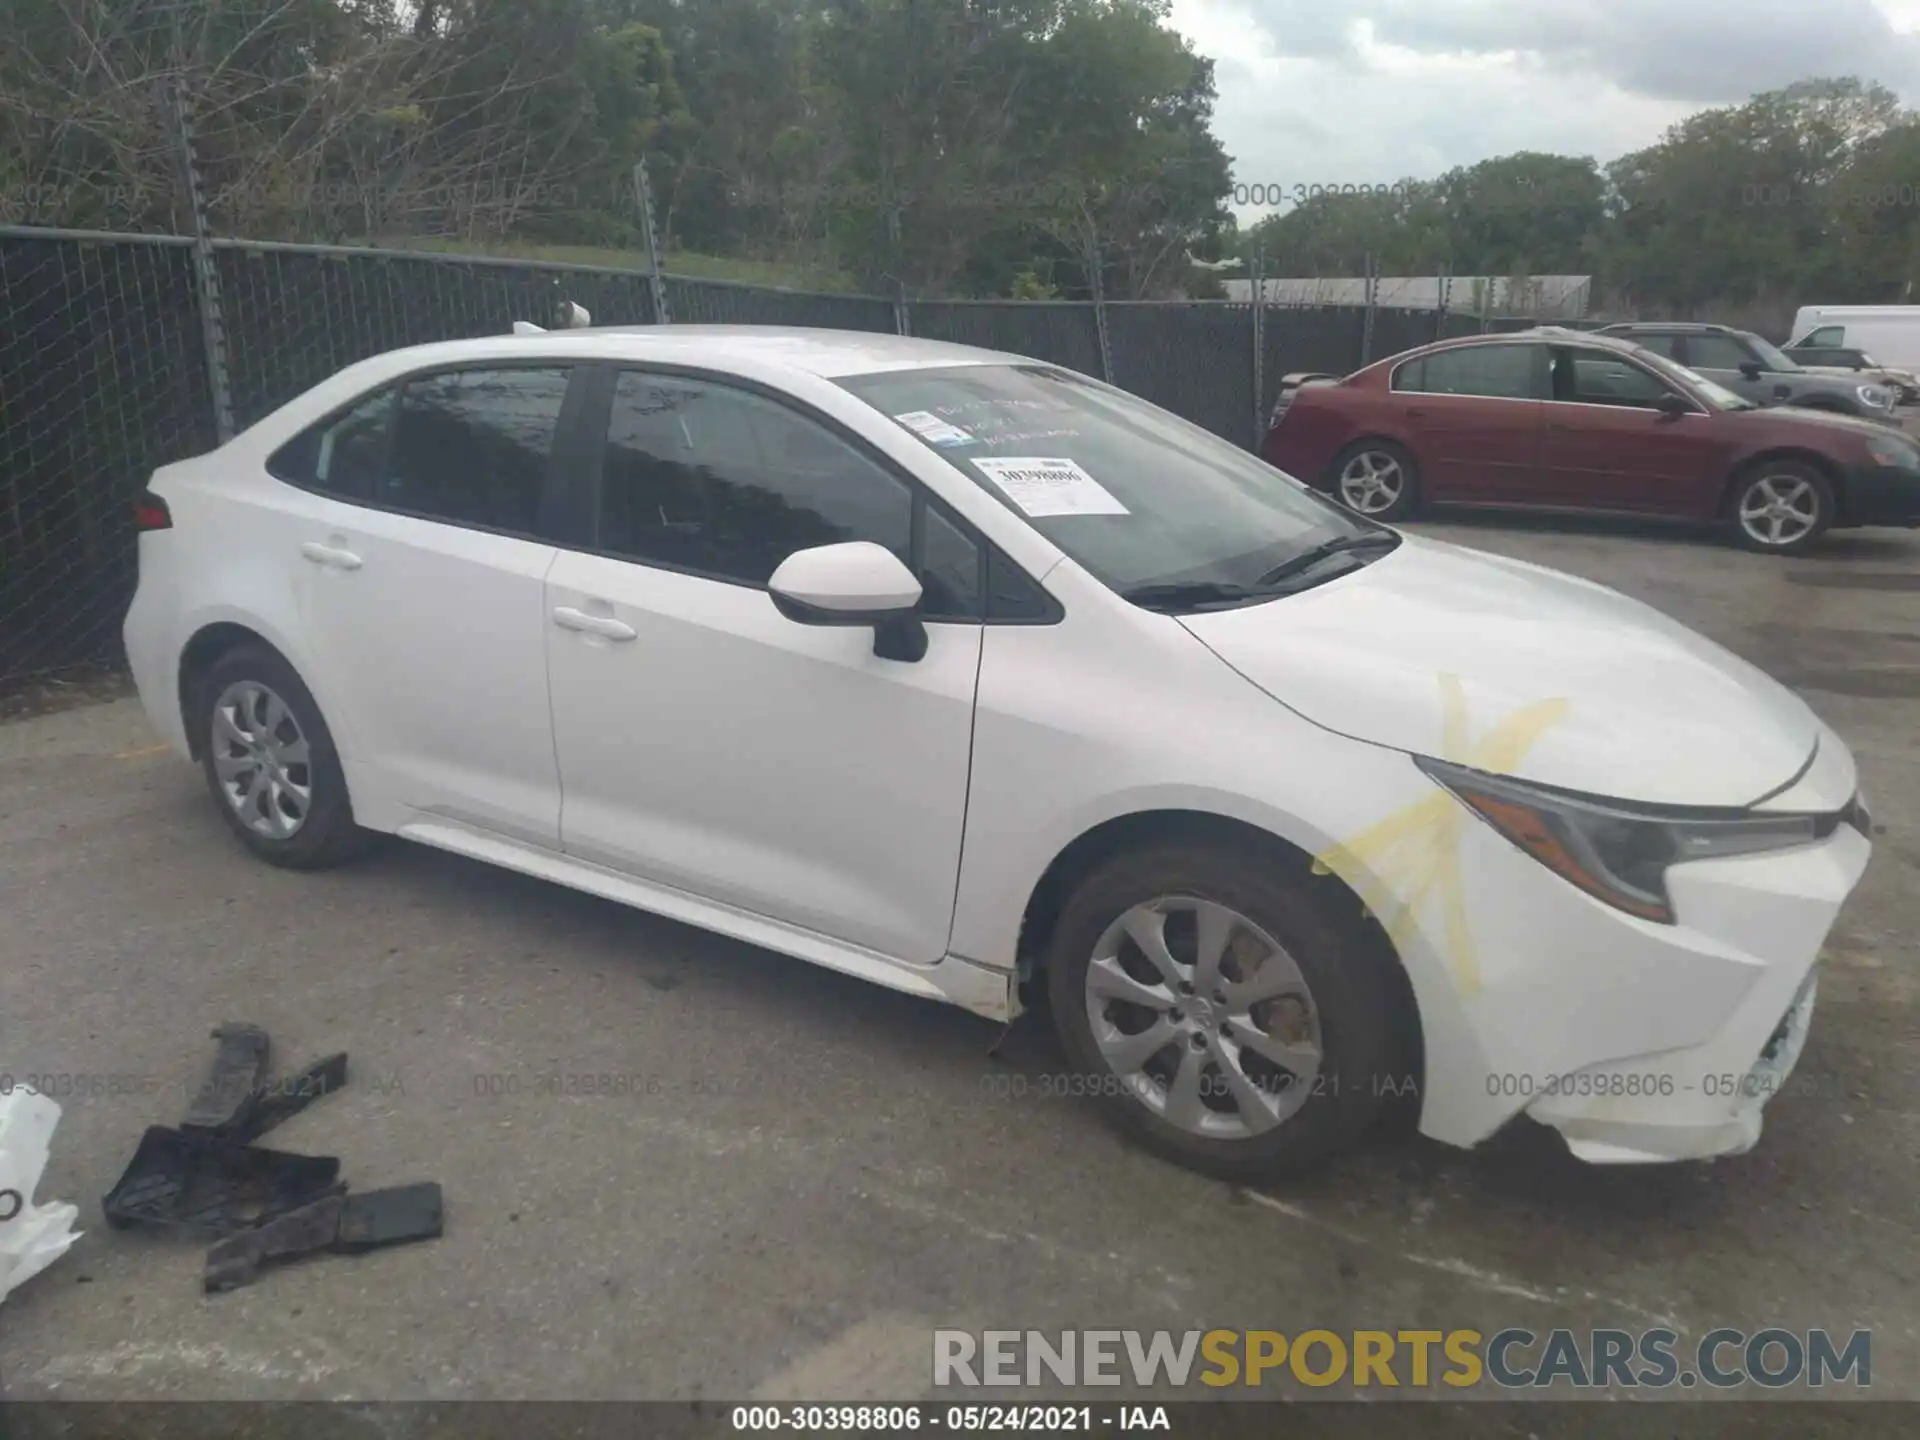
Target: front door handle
605, 626
333, 555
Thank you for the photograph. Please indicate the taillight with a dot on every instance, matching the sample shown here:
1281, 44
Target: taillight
150, 513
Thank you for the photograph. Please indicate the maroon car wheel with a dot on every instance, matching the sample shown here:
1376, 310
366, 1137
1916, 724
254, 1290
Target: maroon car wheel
1781, 507
1376, 478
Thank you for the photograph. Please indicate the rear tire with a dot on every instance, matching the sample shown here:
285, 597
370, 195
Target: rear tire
270, 762
1780, 507
1376, 478
1288, 980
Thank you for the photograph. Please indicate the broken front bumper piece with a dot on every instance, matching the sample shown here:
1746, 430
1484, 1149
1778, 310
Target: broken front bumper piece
32, 1236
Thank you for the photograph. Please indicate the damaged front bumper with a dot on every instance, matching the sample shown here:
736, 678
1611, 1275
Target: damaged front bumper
1752, 930
1637, 1040
1695, 1105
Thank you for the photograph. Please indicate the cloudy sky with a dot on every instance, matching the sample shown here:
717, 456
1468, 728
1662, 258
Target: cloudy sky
1370, 91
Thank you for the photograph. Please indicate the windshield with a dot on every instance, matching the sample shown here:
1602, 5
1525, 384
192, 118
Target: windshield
1138, 496
1713, 393
1772, 356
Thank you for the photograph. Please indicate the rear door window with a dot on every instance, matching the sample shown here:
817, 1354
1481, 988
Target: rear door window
472, 447
1505, 372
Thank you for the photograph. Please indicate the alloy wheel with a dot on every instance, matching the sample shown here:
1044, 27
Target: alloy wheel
262, 760
1779, 509
1372, 482
1204, 1018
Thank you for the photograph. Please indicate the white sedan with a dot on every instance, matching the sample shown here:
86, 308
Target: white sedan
957, 671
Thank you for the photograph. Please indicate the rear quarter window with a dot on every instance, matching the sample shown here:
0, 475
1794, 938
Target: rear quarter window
345, 455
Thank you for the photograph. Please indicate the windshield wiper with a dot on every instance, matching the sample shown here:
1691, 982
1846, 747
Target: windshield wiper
1189, 594
1196, 594
1326, 550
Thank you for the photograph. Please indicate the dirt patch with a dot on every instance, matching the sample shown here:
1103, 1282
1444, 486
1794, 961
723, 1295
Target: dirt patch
62, 690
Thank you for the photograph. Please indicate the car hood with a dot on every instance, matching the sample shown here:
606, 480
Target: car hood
1824, 419
1872, 375
1442, 651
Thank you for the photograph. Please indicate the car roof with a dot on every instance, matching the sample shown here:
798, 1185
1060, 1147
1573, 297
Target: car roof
1672, 327
825, 353
1558, 334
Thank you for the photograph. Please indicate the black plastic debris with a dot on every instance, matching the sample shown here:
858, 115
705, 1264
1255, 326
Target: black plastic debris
180, 1182
239, 1065
342, 1224
238, 1104
289, 1095
397, 1216
237, 1260
261, 1206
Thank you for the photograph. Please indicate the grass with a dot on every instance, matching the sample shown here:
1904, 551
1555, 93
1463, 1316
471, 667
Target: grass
687, 263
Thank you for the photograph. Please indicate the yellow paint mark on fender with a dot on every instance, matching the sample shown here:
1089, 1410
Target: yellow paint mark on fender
1398, 864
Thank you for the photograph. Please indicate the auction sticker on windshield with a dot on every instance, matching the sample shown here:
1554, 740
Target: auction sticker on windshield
1043, 486
932, 429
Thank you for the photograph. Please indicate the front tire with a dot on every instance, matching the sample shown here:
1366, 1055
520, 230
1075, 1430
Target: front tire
1781, 507
270, 762
1377, 479
1224, 1016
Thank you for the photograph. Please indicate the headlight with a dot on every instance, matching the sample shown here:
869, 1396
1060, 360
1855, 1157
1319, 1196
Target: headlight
1875, 396
1893, 452
1616, 851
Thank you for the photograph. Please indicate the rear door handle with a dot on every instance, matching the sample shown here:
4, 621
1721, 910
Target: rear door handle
605, 626
332, 555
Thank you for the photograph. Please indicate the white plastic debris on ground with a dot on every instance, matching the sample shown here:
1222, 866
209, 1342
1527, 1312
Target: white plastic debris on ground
32, 1236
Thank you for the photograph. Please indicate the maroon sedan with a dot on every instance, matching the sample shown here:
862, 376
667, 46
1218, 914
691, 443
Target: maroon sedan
1563, 420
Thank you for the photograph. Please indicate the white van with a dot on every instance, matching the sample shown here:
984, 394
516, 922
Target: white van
1890, 333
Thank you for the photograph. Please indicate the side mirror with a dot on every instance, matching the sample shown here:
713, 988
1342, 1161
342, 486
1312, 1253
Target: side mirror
856, 583
1752, 369
1673, 406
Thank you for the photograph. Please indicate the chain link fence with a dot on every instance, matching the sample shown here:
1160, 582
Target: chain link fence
103, 378
1059, 332
108, 370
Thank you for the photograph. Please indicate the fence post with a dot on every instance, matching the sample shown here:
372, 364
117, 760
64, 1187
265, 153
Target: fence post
902, 322
1259, 345
1373, 294
656, 278
1100, 315
213, 331
1446, 298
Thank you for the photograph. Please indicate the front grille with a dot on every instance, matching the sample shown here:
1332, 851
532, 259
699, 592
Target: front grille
1782, 1050
1854, 814
1771, 1050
